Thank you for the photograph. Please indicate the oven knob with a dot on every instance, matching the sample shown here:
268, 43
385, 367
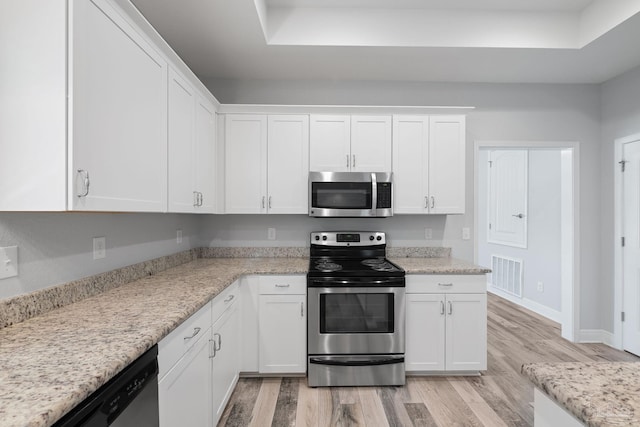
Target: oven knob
370, 237
324, 237
379, 238
317, 237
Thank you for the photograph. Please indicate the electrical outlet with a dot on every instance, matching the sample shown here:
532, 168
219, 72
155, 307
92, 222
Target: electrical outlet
540, 287
428, 234
178, 236
8, 262
99, 247
271, 233
466, 233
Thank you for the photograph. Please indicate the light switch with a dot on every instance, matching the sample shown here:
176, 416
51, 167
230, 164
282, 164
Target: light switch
8, 262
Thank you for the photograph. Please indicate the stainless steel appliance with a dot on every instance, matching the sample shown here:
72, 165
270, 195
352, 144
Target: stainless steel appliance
350, 194
130, 399
355, 311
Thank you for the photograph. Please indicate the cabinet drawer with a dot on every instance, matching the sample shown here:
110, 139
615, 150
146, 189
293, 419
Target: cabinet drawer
224, 300
445, 283
274, 285
172, 347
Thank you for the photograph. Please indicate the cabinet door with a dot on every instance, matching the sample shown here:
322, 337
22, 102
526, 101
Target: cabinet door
205, 155
184, 393
371, 143
425, 328
447, 164
288, 164
225, 359
410, 159
181, 121
249, 300
466, 328
329, 143
245, 163
282, 332
118, 134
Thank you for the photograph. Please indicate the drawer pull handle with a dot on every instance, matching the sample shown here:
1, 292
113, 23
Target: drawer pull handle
196, 331
450, 307
445, 284
441, 307
282, 286
231, 297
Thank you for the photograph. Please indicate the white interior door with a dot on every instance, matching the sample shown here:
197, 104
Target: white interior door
631, 249
508, 195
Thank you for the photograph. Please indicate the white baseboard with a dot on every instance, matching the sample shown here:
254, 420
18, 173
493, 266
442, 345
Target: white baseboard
596, 336
536, 307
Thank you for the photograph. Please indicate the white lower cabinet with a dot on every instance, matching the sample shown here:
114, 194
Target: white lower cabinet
184, 393
282, 330
196, 379
225, 366
446, 331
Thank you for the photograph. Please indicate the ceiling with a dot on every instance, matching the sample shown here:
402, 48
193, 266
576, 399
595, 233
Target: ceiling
519, 41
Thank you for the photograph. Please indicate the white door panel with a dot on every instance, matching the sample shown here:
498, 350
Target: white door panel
631, 249
508, 195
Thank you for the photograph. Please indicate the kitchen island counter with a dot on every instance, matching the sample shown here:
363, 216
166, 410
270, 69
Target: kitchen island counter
598, 394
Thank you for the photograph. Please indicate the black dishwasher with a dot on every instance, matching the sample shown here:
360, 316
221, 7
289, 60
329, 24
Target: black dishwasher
129, 399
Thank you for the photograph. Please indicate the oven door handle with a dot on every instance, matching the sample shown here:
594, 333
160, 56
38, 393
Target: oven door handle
357, 361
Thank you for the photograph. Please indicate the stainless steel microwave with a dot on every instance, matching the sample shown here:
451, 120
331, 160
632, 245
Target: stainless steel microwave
350, 194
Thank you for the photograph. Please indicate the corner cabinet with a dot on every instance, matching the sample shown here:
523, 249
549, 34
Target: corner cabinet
266, 163
446, 323
343, 143
429, 164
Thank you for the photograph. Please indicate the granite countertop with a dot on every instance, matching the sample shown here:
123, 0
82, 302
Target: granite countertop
438, 266
599, 394
51, 362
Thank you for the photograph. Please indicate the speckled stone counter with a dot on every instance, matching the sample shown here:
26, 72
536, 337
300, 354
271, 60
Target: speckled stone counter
51, 362
598, 394
438, 266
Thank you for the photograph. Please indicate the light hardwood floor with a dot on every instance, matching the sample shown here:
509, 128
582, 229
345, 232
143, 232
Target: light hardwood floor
501, 396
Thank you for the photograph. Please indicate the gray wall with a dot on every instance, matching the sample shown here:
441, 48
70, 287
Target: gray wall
541, 257
620, 118
516, 112
55, 248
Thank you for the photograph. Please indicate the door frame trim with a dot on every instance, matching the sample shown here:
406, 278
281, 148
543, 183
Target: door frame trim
570, 234
618, 289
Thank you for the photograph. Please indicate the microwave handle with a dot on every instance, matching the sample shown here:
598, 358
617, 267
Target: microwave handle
374, 194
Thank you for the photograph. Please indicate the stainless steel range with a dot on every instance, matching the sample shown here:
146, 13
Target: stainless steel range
356, 311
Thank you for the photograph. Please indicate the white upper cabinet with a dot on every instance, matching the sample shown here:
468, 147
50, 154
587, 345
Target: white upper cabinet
447, 164
371, 143
181, 118
118, 107
429, 164
205, 155
350, 143
245, 145
94, 77
192, 133
288, 164
266, 163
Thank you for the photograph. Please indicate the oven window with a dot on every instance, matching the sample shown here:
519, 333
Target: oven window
356, 313
341, 195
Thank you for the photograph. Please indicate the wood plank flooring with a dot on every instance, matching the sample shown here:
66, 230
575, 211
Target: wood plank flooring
501, 396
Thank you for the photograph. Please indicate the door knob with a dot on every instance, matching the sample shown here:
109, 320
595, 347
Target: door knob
519, 216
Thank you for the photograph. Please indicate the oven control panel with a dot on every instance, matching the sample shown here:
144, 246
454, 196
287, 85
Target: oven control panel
357, 238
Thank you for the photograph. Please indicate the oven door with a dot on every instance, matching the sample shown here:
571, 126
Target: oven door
352, 320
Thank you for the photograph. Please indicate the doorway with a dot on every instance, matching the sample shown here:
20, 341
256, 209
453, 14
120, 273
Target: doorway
566, 157
627, 283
